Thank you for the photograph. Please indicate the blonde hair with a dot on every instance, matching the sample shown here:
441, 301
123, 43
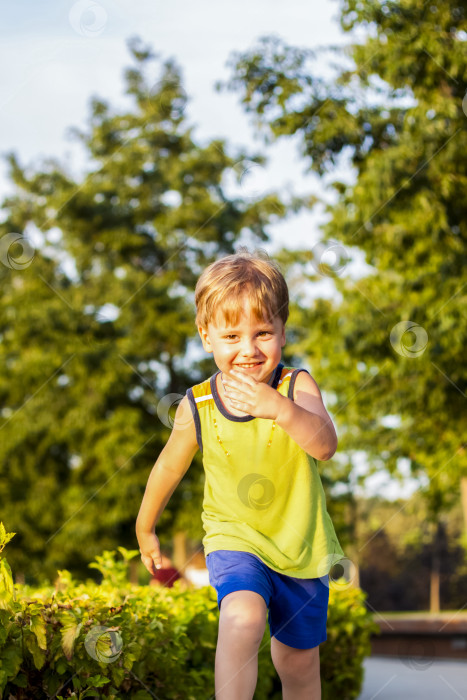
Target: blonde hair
243, 274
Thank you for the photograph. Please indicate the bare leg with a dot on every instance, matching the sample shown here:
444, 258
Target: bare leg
242, 623
298, 670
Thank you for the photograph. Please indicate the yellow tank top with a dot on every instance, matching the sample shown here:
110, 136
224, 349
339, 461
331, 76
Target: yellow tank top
262, 493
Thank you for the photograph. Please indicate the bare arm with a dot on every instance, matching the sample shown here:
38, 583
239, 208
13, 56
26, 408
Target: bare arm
169, 469
306, 420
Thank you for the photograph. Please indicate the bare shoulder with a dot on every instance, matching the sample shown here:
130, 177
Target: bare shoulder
183, 420
307, 394
184, 424
305, 382
182, 444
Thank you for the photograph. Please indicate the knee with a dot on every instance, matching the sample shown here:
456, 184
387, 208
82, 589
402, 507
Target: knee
243, 619
297, 665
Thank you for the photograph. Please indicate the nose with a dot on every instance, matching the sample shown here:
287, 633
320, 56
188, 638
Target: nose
249, 349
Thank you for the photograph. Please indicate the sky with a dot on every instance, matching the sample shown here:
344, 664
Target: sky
55, 55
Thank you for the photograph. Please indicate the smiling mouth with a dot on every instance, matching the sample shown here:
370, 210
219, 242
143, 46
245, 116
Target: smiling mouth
250, 364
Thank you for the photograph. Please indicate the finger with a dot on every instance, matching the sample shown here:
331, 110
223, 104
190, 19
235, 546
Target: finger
245, 393
229, 380
230, 384
242, 377
240, 383
239, 404
235, 402
235, 376
237, 397
151, 562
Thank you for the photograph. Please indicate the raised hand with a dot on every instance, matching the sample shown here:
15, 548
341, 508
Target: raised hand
244, 393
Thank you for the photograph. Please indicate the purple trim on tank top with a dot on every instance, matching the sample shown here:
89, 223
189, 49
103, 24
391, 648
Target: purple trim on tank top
292, 381
196, 418
220, 406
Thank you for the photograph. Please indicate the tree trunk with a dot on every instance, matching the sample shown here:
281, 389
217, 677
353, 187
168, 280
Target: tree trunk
179, 551
434, 590
464, 498
353, 570
435, 571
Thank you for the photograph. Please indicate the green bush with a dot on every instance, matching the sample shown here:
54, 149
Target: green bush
119, 640
349, 630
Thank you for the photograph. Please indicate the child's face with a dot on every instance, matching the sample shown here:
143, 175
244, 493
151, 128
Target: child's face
248, 342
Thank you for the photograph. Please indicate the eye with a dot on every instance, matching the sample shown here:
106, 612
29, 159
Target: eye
266, 332
229, 336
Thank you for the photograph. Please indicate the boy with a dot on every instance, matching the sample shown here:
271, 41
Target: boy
269, 541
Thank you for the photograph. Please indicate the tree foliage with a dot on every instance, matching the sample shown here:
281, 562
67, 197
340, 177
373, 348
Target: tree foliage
97, 317
390, 349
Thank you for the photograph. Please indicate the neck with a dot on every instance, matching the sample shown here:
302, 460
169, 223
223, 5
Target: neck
271, 378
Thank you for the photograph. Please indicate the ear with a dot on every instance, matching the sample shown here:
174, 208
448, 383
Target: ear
203, 333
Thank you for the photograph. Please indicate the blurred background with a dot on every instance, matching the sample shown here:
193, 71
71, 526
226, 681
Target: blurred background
138, 145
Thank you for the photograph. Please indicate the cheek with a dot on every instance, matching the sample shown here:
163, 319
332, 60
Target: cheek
224, 351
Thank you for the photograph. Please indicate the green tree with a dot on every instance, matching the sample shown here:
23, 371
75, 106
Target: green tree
391, 348
97, 318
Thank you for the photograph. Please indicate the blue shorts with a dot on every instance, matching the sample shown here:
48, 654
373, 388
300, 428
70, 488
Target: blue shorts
297, 607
